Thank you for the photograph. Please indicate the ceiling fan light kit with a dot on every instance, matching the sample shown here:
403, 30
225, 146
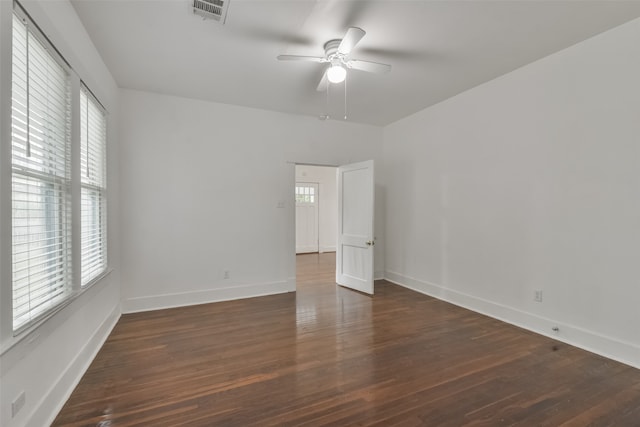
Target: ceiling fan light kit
336, 73
337, 53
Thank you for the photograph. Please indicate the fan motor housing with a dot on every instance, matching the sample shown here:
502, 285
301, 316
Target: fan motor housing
331, 47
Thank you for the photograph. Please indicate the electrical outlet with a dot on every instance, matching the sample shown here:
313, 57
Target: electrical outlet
226, 274
537, 295
17, 404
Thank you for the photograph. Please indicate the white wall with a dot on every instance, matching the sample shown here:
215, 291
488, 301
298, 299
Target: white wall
326, 178
203, 184
530, 181
46, 362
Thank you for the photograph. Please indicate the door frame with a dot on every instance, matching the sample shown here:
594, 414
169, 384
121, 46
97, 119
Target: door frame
290, 225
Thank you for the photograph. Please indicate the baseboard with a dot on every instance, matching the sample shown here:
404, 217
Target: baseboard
611, 348
182, 299
324, 249
307, 250
50, 405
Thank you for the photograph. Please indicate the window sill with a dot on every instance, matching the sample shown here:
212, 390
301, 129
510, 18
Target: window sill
30, 333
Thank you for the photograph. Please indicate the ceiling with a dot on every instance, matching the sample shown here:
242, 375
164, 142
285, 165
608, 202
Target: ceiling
437, 48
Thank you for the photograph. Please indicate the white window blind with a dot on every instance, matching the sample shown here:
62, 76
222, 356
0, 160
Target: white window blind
93, 131
41, 172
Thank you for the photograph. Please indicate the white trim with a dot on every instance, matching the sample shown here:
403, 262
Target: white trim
50, 405
29, 331
306, 250
324, 249
6, 75
621, 351
182, 299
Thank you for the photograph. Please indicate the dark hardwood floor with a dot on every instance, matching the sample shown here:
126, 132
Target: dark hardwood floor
329, 356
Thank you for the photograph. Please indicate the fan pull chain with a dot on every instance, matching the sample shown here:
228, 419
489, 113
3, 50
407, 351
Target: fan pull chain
345, 97
326, 103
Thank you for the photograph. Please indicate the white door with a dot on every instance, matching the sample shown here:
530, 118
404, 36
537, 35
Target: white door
306, 217
354, 255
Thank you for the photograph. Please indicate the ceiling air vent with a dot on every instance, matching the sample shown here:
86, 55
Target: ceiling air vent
216, 9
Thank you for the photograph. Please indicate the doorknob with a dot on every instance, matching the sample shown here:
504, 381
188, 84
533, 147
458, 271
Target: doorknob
370, 243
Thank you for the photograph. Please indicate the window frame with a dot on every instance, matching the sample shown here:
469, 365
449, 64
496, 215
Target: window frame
305, 193
102, 189
32, 178
10, 335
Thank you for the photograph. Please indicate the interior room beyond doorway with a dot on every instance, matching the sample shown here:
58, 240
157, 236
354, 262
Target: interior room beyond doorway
316, 209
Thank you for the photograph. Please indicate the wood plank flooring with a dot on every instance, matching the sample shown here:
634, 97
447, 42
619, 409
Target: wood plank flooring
329, 356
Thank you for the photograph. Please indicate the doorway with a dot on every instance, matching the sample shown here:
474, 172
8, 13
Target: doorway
316, 212
343, 203
316, 229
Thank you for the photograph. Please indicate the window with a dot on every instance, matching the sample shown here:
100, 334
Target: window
93, 136
58, 199
41, 175
305, 193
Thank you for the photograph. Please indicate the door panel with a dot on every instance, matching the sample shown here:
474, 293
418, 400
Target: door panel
307, 217
354, 257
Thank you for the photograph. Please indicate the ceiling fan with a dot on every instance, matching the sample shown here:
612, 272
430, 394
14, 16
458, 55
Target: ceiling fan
337, 53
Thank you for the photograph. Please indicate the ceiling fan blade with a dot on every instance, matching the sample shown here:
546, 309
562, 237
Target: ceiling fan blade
398, 54
273, 35
324, 82
301, 58
368, 66
353, 36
